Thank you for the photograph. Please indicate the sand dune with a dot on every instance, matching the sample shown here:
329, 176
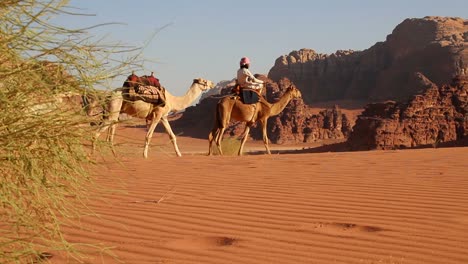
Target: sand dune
349, 207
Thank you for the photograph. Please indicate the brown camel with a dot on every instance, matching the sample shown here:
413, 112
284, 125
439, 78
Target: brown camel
152, 112
231, 108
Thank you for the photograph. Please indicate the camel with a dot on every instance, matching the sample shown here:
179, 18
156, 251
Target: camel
154, 113
65, 102
231, 108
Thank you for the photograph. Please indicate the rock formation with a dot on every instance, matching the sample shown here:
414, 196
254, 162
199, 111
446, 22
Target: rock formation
438, 116
433, 46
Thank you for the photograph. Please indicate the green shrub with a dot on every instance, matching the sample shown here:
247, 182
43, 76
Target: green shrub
230, 146
43, 159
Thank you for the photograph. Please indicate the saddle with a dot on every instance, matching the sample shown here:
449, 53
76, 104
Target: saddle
145, 88
246, 95
149, 94
249, 96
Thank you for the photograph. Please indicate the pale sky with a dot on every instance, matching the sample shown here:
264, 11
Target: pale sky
207, 38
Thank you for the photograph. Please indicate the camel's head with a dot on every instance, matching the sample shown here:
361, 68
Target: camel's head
295, 93
204, 84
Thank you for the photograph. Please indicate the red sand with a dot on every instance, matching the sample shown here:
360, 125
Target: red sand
407, 206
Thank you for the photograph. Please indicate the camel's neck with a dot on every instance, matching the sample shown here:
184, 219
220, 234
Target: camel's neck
279, 106
179, 103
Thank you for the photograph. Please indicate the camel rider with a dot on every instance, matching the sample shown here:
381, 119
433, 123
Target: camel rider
250, 86
245, 78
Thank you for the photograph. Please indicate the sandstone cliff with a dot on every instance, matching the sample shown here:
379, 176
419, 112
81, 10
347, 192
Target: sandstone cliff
433, 46
439, 115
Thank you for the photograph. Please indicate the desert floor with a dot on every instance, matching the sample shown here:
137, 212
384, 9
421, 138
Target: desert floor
404, 206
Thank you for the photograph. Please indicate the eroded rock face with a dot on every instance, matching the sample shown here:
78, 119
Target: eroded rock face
433, 46
437, 116
328, 124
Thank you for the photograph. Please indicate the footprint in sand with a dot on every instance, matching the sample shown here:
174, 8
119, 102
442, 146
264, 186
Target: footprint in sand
341, 229
197, 243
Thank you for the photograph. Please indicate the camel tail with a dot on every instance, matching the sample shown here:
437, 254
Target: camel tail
217, 125
218, 119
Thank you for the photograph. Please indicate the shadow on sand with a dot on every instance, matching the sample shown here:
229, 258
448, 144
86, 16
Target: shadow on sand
345, 147
335, 147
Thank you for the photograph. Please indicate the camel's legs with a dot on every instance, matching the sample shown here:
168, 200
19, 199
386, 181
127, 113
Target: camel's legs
219, 139
149, 134
96, 136
110, 127
111, 133
110, 123
265, 136
213, 134
244, 139
110, 136
171, 134
224, 116
210, 141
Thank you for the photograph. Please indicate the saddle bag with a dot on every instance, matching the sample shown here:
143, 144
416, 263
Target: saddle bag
249, 96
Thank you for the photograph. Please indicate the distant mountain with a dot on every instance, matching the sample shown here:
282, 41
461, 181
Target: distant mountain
432, 46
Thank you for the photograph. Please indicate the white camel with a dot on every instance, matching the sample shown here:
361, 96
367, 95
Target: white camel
152, 112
